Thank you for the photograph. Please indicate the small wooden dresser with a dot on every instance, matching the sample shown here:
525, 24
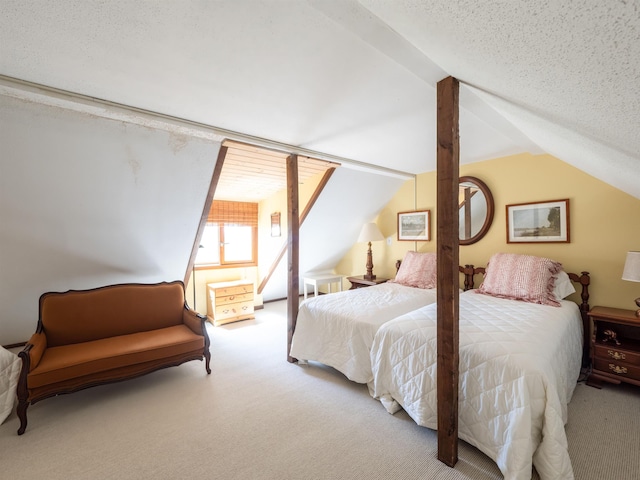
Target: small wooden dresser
615, 346
229, 301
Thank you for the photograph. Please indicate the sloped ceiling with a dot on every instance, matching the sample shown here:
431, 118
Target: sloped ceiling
356, 78
251, 174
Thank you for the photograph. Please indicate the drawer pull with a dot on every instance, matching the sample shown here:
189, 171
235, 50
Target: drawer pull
232, 297
617, 369
244, 307
616, 355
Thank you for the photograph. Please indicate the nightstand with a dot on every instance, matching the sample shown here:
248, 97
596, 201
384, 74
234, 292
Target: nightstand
361, 282
229, 301
614, 347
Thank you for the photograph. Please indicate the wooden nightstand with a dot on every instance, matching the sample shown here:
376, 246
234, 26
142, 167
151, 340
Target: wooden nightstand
229, 301
615, 346
361, 282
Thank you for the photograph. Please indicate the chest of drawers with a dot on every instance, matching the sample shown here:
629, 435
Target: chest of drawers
229, 301
615, 346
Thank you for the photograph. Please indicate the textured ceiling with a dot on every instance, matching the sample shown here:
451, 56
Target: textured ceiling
357, 78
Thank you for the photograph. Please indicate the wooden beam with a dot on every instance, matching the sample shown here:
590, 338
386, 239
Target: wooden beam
316, 193
467, 212
293, 249
217, 170
448, 158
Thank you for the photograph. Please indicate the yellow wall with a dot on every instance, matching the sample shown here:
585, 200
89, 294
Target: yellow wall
604, 223
268, 247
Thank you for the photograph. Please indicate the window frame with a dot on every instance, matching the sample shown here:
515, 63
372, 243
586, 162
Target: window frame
220, 224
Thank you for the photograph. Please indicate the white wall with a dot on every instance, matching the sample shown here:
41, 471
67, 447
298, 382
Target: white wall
87, 201
350, 199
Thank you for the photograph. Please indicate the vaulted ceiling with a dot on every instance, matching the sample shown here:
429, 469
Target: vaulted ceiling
356, 79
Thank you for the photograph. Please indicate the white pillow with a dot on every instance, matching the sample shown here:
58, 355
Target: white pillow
563, 286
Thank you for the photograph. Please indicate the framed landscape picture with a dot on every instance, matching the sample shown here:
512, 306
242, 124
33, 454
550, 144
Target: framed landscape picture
414, 226
538, 222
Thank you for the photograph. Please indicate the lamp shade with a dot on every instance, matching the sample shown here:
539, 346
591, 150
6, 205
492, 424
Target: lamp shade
632, 267
370, 233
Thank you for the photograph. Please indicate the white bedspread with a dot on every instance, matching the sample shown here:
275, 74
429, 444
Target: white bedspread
10, 365
338, 329
519, 363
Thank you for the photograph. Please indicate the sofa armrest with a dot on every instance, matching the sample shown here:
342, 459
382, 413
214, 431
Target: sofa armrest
194, 320
33, 350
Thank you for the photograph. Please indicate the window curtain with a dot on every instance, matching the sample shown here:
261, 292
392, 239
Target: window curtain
223, 212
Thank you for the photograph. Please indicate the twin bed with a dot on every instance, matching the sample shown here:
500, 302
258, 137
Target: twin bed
521, 349
338, 329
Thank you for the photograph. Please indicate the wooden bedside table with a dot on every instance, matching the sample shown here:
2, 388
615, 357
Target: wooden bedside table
229, 301
615, 346
361, 282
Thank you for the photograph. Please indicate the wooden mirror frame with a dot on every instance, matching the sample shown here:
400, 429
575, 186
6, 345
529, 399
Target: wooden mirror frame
490, 209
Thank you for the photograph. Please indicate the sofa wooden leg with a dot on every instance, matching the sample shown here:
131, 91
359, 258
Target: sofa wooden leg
207, 358
22, 415
22, 391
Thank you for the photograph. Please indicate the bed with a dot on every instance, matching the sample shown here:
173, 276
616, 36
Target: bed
338, 329
9, 372
519, 363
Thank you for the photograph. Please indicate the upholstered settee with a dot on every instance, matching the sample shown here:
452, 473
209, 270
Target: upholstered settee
86, 338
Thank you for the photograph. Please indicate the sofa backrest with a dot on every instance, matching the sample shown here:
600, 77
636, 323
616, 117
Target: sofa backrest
84, 315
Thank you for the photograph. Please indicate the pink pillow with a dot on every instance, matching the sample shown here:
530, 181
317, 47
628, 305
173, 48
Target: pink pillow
521, 277
418, 270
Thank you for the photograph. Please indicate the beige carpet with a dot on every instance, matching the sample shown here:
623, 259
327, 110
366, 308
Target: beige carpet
258, 417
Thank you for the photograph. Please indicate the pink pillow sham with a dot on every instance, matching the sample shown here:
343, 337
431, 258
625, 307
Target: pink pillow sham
521, 277
418, 270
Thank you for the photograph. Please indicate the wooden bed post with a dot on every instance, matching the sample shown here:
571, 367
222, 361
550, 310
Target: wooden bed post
293, 250
448, 158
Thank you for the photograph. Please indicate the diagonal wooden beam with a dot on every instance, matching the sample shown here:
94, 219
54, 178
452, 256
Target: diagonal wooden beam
323, 182
448, 159
217, 170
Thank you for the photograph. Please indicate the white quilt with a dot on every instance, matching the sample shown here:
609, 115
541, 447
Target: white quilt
338, 329
519, 363
10, 365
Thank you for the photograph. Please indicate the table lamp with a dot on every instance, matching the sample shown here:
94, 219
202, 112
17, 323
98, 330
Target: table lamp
632, 272
370, 233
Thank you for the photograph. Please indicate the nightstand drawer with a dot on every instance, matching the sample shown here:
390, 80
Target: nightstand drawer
235, 290
616, 368
617, 354
236, 298
223, 312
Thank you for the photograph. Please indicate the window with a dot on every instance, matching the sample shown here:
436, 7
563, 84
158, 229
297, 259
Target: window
230, 236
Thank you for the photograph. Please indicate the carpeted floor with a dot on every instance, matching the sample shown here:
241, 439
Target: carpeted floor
258, 417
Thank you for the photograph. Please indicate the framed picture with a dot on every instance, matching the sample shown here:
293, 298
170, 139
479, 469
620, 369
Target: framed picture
538, 222
414, 226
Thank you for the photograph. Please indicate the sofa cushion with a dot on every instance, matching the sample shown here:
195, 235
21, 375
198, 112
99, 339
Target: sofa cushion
76, 360
85, 315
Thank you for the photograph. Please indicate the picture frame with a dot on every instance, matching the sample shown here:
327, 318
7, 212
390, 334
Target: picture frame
414, 226
538, 222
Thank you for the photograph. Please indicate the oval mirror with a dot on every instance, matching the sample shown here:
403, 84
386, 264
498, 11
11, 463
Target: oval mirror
476, 209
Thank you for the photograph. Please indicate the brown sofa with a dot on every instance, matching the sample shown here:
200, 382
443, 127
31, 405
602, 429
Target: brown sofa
86, 338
